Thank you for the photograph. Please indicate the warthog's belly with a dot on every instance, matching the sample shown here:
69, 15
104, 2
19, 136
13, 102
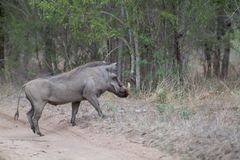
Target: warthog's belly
56, 100
63, 94
53, 103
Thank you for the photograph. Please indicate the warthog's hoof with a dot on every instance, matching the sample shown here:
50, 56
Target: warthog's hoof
33, 129
102, 116
73, 124
40, 134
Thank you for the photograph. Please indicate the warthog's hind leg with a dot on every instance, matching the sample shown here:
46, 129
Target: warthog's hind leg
38, 108
75, 107
29, 116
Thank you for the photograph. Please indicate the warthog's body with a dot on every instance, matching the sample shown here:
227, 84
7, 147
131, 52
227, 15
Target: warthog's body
86, 82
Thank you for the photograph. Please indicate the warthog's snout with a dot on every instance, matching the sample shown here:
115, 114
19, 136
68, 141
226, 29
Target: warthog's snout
123, 92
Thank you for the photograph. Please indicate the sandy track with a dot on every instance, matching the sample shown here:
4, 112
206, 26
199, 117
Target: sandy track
64, 142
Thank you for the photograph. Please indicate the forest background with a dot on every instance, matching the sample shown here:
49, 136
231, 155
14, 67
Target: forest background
178, 40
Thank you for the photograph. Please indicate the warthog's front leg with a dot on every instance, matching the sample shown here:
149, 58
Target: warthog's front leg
75, 107
94, 102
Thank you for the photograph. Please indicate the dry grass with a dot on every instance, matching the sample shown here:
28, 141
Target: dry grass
6, 90
198, 121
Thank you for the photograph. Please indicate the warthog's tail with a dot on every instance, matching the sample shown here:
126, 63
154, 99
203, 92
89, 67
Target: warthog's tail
19, 96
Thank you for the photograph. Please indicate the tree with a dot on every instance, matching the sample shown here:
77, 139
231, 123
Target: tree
150, 40
1, 38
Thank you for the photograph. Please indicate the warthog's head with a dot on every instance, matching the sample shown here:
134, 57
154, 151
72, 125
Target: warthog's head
115, 85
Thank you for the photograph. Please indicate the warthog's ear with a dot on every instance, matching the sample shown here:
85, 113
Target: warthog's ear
112, 67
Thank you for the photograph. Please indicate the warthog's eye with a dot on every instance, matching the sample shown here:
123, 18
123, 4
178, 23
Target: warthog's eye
114, 78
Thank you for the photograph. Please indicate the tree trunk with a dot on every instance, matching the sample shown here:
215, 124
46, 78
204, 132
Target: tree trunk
1, 41
119, 64
227, 25
120, 50
216, 61
50, 53
225, 61
208, 60
177, 61
37, 53
177, 54
220, 33
138, 73
132, 58
1, 51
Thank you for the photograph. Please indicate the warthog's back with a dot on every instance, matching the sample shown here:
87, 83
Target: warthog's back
74, 73
69, 86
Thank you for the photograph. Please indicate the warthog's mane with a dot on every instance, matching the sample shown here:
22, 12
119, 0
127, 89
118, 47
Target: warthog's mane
90, 64
70, 74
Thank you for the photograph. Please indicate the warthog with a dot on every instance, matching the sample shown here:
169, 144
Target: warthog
86, 82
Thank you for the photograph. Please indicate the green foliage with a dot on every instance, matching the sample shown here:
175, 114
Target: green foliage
110, 107
220, 3
143, 62
161, 59
168, 112
146, 40
162, 96
185, 113
169, 17
83, 17
165, 108
79, 28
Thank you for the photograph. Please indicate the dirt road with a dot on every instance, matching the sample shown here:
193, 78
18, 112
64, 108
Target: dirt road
64, 142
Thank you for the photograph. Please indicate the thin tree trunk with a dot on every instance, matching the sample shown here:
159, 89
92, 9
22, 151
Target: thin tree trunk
227, 26
177, 54
216, 61
132, 59
1, 41
208, 61
119, 64
132, 56
37, 53
177, 61
220, 33
138, 59
225, 60
1, 52
67, 48
120, 50
50, 55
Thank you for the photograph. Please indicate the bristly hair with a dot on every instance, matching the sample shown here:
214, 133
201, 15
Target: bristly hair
67, 75
91, 64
